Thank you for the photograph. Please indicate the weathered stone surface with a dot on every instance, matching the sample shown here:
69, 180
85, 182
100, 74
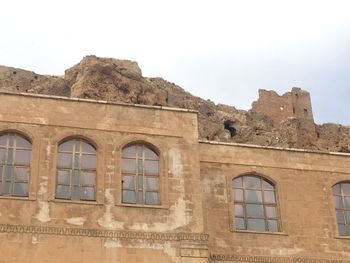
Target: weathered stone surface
274, 120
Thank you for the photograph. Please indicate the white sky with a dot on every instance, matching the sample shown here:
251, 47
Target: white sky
223, 50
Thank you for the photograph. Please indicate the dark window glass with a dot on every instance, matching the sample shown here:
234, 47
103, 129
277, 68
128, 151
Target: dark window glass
255, 206
15, 158
341, 197
140, 169
76, 170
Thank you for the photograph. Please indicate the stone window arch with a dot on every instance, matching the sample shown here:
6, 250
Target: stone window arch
255, 204
15, 161
341, 197
76, 170
140, 174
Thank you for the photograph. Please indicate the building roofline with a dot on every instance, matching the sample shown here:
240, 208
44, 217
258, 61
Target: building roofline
24, 94
272, 148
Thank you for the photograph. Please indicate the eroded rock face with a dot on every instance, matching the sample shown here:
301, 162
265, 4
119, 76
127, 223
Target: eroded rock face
289, 123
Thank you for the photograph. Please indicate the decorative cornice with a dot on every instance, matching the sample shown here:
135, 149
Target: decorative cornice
63, 231
269, 259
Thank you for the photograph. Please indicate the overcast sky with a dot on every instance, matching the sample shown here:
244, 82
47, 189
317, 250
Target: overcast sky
220, 50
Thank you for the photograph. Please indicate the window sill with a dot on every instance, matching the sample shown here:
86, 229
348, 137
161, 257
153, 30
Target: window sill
78, 202
343, 237
26, 198
142, 206
260, 232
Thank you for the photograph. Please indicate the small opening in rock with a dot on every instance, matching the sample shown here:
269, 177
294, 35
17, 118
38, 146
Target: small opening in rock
305, 111
293, 110
36, 77
318, 134
229, 126
14, 73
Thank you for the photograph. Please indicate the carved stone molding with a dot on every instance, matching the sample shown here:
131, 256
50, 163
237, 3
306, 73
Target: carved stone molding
269, 259
63, 231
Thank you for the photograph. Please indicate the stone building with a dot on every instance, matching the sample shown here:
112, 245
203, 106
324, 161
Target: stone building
93, 181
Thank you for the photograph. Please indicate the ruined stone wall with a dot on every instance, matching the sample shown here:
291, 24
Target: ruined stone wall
303, 182
296, 103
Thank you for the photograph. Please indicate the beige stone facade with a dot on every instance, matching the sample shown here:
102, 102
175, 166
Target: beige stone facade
195, 219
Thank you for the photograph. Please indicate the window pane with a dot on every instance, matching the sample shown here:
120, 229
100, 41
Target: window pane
66, 146
269, 197
8, 172
77, 161
129, 151
128, 165
239, 222
62, 191
20, 189
76, 174
336, 189
342, 230
151, 167
9, 156
252, 182
7, 188
21, 174
88, 193
340, 217
255, 210
88, 148
267, 185
2, 155
129, 196
338, 202
140, 197
64, 160
23, 156
140, 182
237, 182
87, 178
150, 154
152, 183
139, 166
347, 201
22, 143
239, 210
75, 193
270, 211
63, 177
128, 182
256, 224
345, 188
3, 140
88, 162
273, 226
253, 196
347, 217
238, 194
11, 140
139, 151
152, 198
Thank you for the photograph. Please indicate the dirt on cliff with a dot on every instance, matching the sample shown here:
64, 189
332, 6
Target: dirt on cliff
122, 81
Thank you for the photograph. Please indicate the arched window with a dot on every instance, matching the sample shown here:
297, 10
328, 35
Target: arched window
255, 204
76, 170
140, 175
15, 156
341, 196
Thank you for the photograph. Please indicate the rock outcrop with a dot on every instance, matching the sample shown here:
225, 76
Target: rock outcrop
283, 121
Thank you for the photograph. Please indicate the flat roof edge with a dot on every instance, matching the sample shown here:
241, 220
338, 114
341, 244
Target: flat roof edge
272, 148
166, 108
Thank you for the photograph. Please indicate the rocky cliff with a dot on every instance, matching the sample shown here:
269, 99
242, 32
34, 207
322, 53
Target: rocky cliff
288, 123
